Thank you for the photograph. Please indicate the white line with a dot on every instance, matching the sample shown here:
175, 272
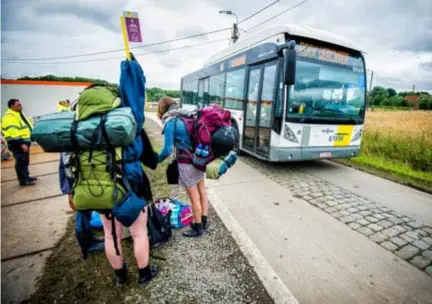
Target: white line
271, 281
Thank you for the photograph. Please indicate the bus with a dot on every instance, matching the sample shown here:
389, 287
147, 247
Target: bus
295, 93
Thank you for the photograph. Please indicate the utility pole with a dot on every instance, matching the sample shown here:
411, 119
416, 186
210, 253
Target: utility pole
370, 85
235, 33
413, 87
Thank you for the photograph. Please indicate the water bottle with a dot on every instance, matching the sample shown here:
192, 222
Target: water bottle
199, 150
205, 152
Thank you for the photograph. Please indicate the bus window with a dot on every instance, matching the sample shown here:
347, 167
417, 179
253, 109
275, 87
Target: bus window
206, 92
190, 92
278, 107
234, 89
217, 84
267, 95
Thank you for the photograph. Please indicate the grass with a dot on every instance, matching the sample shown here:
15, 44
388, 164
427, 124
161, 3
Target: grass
398, 144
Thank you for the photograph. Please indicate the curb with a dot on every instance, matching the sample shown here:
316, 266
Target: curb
271, 281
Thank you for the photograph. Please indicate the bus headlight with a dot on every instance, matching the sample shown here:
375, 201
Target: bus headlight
289, 135
357, 135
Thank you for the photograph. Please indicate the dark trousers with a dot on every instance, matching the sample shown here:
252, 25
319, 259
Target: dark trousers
22, 160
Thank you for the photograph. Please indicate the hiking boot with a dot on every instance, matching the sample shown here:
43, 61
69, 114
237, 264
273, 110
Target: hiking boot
204, 222
27, 183
195, 231
147, 274
32, 179
121, 276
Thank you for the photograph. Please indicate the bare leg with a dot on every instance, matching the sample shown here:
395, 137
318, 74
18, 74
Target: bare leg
139, 234
194, 197
203, 197
115, 260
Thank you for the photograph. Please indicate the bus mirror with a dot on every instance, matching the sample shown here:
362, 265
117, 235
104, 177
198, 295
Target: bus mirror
290, 64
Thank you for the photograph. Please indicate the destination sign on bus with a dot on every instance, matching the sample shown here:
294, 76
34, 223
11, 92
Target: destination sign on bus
322, 53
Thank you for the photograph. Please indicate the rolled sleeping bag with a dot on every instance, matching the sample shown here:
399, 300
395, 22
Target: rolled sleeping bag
220, 165
53, 131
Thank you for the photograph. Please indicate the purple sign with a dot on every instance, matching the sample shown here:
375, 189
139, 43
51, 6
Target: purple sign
133, 29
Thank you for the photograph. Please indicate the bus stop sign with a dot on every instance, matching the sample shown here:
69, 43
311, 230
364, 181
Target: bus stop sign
133, 26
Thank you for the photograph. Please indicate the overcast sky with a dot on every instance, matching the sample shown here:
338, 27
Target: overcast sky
396, 34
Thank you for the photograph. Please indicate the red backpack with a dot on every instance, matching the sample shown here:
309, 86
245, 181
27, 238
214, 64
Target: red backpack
202, 128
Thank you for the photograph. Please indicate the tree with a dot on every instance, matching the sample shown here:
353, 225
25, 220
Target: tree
391, 92
425, 102
378, 95
396, 101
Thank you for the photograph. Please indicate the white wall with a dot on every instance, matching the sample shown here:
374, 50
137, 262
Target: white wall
38, 99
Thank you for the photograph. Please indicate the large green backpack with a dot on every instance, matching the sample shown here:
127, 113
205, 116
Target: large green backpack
95, 99
95, 188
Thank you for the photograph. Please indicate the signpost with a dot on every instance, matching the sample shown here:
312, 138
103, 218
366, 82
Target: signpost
131, 30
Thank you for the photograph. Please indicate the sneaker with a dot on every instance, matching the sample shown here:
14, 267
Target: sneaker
143, 282
195, 231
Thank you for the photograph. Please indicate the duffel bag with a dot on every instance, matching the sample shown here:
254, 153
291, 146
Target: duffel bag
53, 131
94, 188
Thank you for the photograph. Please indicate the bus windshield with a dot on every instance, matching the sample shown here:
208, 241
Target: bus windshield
327, 92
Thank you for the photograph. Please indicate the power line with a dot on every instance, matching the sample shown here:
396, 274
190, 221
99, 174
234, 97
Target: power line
117, 50
283, 12
256, 13
122, 57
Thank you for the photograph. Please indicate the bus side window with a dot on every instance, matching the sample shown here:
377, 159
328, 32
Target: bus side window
278, 106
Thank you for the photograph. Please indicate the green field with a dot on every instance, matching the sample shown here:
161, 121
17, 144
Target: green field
398, 145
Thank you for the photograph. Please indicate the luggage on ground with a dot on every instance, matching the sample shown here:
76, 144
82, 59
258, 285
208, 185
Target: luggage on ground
181, 213
54, 131
159, 226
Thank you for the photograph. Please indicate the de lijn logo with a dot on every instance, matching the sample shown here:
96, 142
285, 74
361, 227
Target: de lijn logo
337, 137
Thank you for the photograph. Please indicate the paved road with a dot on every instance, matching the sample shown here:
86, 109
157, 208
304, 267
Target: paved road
334, 234
33, 220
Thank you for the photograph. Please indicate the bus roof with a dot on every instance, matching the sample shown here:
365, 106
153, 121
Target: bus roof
262, 34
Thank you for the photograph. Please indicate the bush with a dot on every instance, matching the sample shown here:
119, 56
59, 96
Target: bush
425, 102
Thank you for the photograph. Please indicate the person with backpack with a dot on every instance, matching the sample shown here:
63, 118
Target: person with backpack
176, 136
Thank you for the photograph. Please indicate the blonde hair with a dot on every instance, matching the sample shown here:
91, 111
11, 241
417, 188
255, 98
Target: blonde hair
163, 105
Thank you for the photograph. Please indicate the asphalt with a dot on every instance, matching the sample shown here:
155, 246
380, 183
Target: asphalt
33, 221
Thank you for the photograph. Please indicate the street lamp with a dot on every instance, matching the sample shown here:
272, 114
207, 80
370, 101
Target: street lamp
229, 13
235, 32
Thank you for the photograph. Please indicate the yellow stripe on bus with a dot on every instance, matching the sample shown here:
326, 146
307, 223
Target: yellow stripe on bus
343, 136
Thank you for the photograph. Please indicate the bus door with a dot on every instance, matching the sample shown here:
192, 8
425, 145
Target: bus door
259, 108
203, 92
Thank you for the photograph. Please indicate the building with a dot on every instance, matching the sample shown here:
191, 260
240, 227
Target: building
413, 100
39, 97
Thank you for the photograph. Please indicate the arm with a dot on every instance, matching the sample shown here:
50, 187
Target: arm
169, 141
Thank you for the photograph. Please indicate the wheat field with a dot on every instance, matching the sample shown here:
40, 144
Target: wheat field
404, 136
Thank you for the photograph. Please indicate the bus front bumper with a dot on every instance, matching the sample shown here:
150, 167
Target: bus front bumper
278, 154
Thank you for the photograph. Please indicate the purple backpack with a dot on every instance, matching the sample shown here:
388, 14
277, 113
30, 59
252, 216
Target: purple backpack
201, 127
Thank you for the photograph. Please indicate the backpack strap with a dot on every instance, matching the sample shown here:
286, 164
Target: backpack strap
110, 217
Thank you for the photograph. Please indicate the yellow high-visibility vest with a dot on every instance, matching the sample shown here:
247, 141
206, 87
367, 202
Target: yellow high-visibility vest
16, 125
61, 108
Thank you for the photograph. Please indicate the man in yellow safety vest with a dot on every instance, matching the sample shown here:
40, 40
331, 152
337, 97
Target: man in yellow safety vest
16, 129
63, 105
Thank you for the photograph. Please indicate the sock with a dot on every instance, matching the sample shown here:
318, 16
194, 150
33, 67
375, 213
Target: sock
204, 220
121, 273
144, 272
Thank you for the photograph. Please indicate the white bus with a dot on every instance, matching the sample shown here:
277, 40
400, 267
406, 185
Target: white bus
295, 93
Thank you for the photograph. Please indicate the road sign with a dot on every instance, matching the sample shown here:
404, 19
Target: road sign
132, 26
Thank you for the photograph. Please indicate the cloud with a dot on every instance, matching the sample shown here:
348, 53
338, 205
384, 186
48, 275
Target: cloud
396, 35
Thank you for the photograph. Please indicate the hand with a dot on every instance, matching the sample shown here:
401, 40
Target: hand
25, 148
